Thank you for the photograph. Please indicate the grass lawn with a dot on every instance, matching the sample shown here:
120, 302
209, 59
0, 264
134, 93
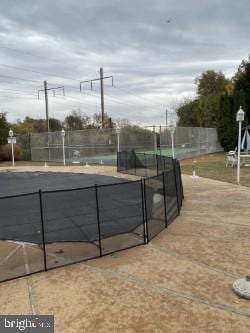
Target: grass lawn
214, 166
209, 166
25, 163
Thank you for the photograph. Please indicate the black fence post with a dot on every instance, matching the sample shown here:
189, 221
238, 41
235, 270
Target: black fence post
126, 161
43, 233
157, 166
164, 194
182, 191
135, 161
145, 205
145, 164
98, 220
176, 188
143, 213
117, 161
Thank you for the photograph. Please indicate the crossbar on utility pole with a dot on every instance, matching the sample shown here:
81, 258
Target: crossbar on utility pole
102, 89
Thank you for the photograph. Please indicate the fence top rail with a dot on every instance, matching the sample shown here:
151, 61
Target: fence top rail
18, 195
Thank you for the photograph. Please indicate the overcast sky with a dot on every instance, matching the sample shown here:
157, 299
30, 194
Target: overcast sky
154, 50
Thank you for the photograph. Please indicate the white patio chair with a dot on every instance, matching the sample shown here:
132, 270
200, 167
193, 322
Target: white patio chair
231, 158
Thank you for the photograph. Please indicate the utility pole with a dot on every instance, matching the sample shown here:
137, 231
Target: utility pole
47, 100
46, 103
102, 96
102, 90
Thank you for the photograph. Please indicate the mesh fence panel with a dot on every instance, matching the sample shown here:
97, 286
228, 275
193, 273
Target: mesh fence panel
151, 165
71, 228
140, 169
171, 196
21, 245
120, 211
173, 190
154, 194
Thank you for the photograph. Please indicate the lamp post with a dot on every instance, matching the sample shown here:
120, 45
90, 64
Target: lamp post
12, 145
171, 129
118, 132
63, 137
239, 118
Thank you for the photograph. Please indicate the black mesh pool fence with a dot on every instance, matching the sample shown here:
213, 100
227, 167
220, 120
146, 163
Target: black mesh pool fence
48, 229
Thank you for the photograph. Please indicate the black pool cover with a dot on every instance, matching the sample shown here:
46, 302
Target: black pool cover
68, 214
13, 183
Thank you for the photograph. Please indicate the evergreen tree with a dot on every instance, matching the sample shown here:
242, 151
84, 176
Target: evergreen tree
4, 129
242, 85
227, 129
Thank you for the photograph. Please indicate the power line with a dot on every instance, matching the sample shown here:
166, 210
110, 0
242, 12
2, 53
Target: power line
77, 100
141, 98
38, 72
117, 101
15, 90
18, 78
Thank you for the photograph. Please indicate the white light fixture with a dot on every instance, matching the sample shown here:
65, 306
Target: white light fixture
62, 132
63, 146
239, 117
118, 132
12, 145
171, 129
11, 133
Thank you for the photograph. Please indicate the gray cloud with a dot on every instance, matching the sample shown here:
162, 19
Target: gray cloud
154, 62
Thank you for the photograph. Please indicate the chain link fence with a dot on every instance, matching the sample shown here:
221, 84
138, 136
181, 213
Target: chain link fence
101, 145
90, 146
189, 141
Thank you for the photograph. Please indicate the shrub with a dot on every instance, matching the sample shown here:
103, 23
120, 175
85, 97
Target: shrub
5, 153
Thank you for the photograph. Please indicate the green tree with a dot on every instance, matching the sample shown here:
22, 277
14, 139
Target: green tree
55, 124
211, 83
242, 85
97, 120
77, 120
208, 110
4, 129
188, 113
227, 130
239, 99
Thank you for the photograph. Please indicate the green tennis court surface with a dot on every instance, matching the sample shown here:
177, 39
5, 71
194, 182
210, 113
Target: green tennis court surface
111, 158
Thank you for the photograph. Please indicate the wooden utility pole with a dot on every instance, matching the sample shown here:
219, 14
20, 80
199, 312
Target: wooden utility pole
46, 103
102, 96
102, 90
47, 100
